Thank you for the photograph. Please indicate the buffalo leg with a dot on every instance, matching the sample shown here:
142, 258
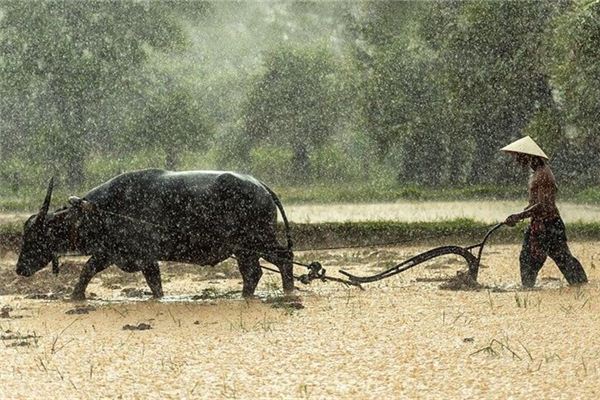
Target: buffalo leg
92, 267
283, 258
251, 272
152, 274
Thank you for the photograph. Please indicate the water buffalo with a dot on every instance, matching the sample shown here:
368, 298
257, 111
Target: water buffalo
139, 218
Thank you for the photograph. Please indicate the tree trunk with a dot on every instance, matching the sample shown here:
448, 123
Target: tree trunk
73, 149
301, 163
172, 159
76, 169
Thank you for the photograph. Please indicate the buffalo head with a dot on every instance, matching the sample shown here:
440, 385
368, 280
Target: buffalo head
38, 248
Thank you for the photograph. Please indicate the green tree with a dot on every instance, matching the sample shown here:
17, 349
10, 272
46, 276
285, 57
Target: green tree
379, 32
404, 104
69, 58
372, 26
405, 109
492, 56
574, 51
293, 103
171, 122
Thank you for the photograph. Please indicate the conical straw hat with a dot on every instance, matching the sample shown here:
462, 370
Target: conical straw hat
525, 145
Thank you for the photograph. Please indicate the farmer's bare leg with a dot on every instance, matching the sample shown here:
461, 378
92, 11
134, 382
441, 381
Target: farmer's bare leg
531, 260
251, 272
152, 275
92, 267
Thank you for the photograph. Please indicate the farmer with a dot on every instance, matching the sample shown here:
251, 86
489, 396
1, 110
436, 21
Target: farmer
545, 235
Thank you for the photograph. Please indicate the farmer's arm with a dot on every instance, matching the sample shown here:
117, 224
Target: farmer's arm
541, 204
531, 211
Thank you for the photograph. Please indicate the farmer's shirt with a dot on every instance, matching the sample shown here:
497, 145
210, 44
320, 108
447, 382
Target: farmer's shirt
542, 189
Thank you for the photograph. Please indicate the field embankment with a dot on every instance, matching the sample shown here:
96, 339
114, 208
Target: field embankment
379, 233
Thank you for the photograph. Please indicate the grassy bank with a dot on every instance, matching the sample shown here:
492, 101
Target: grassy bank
461, 232
380, 234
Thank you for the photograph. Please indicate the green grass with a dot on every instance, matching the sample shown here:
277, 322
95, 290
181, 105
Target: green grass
31, 200
589, 195
10, 236
458, 231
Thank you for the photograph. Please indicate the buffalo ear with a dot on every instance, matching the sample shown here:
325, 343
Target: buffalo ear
75, 201
82, 204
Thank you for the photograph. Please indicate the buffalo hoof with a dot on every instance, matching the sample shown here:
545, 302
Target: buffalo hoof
249, 296
291, 297
78, 296
290, 291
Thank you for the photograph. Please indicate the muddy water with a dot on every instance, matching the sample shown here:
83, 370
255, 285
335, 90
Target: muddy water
485, 211
400, 338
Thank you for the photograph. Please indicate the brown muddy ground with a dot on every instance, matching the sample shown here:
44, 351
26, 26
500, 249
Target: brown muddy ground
400, 338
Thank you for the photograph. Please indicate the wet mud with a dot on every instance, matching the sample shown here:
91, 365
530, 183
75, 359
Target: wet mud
403, 337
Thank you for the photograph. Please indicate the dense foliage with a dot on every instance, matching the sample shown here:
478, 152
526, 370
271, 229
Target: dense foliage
419, 93
294, 104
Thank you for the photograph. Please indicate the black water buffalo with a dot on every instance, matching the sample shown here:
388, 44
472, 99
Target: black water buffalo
139, 218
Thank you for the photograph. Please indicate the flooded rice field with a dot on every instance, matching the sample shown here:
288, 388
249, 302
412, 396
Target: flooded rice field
399, 338
419, 211
406, 211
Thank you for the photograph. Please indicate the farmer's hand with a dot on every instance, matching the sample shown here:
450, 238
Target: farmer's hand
512, 220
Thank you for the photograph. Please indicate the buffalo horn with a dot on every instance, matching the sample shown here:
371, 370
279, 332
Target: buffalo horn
55, 264
44, 210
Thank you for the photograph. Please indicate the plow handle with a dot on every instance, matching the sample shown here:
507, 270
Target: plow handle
465, 252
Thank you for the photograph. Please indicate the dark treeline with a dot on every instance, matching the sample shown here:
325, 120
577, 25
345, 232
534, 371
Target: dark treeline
417, 92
